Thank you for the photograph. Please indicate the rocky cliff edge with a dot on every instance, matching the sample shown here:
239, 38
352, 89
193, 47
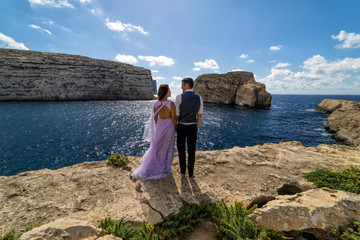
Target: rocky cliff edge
343, 121
91, 191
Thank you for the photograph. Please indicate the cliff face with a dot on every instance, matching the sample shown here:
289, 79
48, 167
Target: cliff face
39, 76
344, 120
238, 88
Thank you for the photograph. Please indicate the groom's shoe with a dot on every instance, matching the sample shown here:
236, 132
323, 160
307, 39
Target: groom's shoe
182, 174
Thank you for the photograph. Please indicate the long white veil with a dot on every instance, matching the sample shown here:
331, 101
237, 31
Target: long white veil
150, 125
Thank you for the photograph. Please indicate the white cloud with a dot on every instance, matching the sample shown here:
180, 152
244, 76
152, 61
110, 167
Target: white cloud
237, 70
11, 43
51, 3
49, 22
243, 55
85, 1
318, 64
350, 40
250, 61
196, 69
40, 29
124, 27
154, 71
96, 11
159, 78
208, 63
126, 59
317, 74
275, 48
175, 88
282, 65
177, 78
160, 60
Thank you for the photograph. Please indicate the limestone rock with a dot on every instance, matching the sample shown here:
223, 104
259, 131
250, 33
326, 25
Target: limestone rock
344, 120
317, 209
30, 76
238, 88
64, 228
92, 191
108, 237
345, 126
330, 105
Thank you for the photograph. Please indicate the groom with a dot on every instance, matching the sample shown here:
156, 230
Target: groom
189, 109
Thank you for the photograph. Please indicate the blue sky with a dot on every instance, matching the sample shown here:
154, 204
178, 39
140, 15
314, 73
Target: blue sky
293, 46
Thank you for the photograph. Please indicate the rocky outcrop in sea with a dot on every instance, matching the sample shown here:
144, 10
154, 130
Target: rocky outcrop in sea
237, 87
40, 76
343, 121
255, 175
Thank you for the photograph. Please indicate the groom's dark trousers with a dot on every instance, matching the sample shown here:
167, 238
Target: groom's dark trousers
186, 133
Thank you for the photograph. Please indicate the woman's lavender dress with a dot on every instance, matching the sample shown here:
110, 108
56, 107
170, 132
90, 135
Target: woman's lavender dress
157, 160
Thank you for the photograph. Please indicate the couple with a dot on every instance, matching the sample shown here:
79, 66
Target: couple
184, 116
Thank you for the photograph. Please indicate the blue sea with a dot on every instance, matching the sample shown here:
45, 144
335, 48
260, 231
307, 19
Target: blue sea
36, 135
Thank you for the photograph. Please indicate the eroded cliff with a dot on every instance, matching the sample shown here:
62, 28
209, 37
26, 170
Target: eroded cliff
343, 121
40, 76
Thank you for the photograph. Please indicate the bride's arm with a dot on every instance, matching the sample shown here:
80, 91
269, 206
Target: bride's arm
173, 114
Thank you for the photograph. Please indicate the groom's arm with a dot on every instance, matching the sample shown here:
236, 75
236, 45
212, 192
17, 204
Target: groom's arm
200, 113
199, 120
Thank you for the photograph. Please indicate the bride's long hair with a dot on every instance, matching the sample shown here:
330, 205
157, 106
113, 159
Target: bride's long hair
163, 90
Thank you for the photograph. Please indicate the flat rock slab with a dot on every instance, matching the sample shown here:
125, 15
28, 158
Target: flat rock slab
64, 228
317, 209
92, 191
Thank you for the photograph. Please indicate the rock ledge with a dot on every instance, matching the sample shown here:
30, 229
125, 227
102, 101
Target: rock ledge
92, 191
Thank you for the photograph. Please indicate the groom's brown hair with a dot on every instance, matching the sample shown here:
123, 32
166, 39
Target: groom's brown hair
189, 81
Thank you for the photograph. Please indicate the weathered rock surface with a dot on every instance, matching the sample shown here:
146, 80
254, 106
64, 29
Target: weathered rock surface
92, 191
344, 120
320, 209
64, 228
238, 88
331, 105
40, 76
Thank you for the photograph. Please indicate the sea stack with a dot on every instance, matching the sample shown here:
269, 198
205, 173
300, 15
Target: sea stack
39, 76
239, 88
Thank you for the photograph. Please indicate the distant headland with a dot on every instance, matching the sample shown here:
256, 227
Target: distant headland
40, 76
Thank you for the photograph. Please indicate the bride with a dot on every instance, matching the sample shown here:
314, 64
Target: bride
157, 160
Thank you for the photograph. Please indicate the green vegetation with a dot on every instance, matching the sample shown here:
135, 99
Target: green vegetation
350, 233
10, 235
347, 180
118, 160
232, 222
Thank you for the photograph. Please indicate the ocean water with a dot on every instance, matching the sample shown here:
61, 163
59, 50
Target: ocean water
36, 135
